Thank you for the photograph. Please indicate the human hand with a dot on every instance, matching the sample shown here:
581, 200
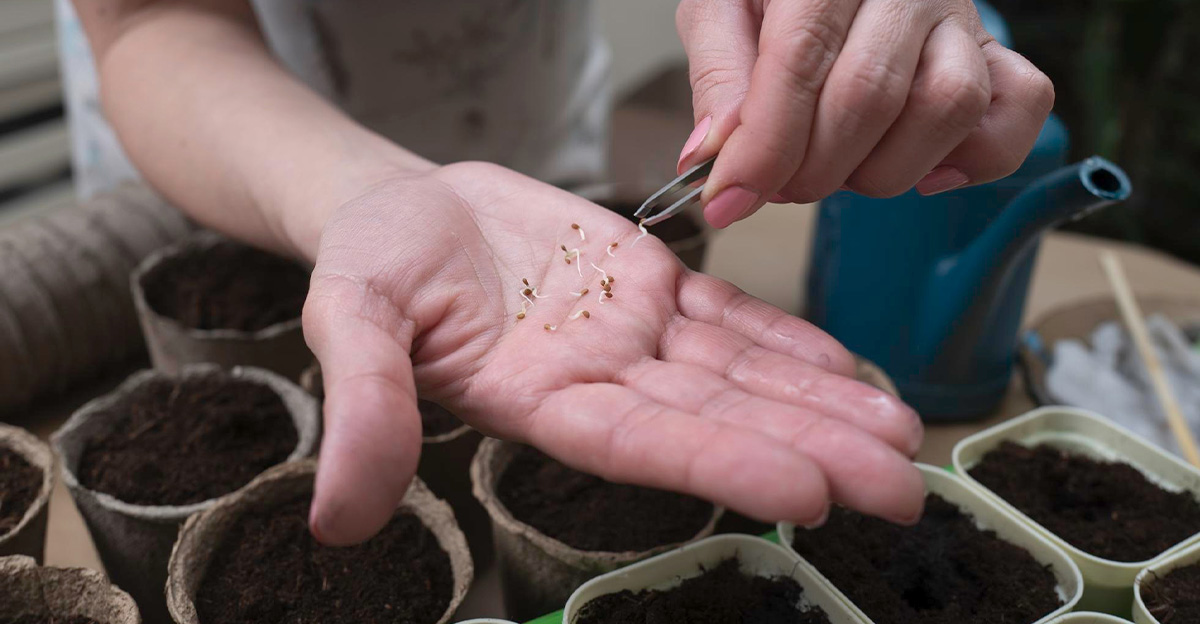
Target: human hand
679, 381
801, 98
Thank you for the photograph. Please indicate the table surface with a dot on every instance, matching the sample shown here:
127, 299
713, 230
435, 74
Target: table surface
766, 256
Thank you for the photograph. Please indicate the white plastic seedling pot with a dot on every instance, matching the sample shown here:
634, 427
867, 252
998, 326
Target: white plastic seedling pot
1087, 617
990, 516
1109, 584
757, 556
1188, 556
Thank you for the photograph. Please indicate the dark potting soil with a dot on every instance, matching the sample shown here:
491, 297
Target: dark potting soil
228, 286
1107, 509
591, 514
269, 570
944, 570
436, 420
20, 482
722, 595
1174, 598
670, 231
48, 619
186, 441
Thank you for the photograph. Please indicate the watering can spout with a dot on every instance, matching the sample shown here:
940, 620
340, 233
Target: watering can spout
967, 288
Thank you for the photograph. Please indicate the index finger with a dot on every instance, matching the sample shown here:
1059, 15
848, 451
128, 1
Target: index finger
797, 48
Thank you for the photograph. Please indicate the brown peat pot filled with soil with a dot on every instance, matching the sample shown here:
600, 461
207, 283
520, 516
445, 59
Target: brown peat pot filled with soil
159, 448
556, 527
251, 558
1108, 509
210, 299
30, 594
27, 467
723, 594
447, 447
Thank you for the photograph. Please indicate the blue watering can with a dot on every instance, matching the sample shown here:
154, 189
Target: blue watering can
933, 288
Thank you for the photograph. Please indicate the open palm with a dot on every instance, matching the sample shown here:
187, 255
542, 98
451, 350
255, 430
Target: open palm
678, 381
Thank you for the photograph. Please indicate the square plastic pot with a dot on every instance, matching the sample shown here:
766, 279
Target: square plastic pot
29, 536
279, 348
1109, 584
988, 515
204, 532
1181, 559
1088, 617
135, 541
757, 556
537, 572
48, 594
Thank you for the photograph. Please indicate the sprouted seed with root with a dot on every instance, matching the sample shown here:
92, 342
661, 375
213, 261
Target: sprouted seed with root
604, 296
573, 253
549, 327
584, 313
582, 236
643, 230
610, 248
603, 273
580, 293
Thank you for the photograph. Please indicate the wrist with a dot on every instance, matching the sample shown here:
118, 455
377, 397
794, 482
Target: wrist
363, 160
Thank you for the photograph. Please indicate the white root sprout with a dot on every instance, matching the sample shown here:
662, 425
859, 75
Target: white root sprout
580, 293
603, 273
582, 236
584, 313
549, 327
642, 229
610, 248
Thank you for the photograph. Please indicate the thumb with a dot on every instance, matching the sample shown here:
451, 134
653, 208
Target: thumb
721, 41
372, 437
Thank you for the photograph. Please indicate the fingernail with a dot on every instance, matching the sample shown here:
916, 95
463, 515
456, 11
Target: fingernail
694, 141
820, 520
779, 199
941, 179
730, 205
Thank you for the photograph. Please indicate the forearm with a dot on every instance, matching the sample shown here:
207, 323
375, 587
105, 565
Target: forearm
222, 130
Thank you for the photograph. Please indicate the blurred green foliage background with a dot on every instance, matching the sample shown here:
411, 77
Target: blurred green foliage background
1127, 75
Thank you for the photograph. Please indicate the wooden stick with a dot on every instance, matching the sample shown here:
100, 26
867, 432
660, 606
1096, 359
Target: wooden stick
1136, 323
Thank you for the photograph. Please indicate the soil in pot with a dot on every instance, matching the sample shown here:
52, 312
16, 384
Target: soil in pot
723, 595
591, 514
435, 419
20, 483
49, 619
187, 441
1175, 597
270, 570
944, 570
227, 286
1107, 509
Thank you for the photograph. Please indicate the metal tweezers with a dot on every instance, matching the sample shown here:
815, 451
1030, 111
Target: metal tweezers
671, 193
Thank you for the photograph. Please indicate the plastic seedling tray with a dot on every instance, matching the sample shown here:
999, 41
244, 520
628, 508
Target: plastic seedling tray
1109, 584
1183, 558
1087, 617
757, 556
557, 616
988, 515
